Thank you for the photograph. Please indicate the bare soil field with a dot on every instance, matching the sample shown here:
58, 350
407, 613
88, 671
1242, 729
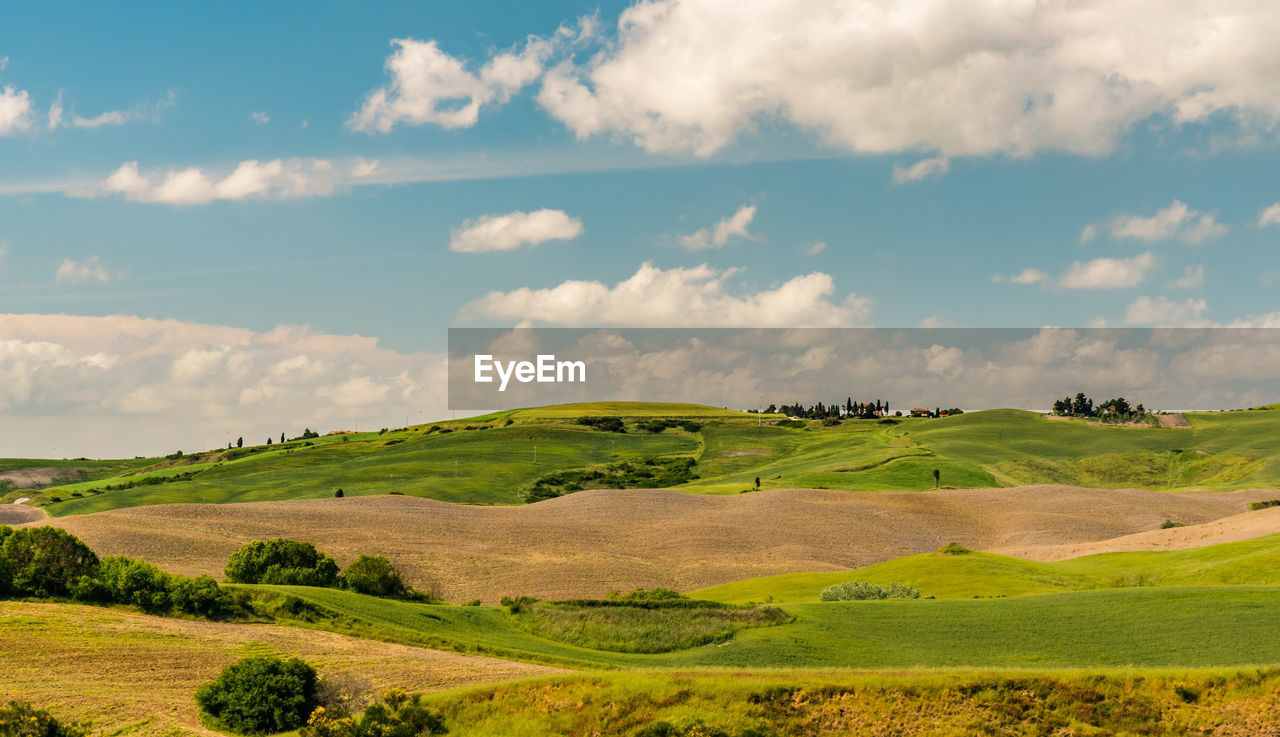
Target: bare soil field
1227, 530
591, 542
16, 514
1173, 419
138, 674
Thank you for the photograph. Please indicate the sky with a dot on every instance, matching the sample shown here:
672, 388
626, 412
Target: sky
229, 219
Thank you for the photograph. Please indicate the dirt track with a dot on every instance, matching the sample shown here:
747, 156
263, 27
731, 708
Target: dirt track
591, 542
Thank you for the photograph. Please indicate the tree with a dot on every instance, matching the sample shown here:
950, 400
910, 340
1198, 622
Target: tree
374, 575
1082, 405
757, 482
240, 442
261, 695
268, 440
338, 493
44, 561
937, 477
282, 437
281, 561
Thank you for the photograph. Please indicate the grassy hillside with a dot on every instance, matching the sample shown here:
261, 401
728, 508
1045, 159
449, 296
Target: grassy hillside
1124, 702
496, 458
974, 574
1167, 626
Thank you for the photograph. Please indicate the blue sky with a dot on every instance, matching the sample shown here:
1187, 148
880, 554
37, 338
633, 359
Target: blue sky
637, 126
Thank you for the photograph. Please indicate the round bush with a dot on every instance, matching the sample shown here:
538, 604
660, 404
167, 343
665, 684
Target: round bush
44, 561
18, 719
281, 561
261, 695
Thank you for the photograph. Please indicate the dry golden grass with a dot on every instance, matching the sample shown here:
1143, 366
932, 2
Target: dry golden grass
132, 672
591, 542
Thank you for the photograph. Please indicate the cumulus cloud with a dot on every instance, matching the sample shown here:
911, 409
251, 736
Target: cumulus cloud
81, 272
921, 170
733, 226
816, 248
513, 230
15, 110
1165, 312
697, 296
260, 117
120, 385
1192, 278
1269, 216
252, 179
1108, 273
1175, 221
430, 86
962, 79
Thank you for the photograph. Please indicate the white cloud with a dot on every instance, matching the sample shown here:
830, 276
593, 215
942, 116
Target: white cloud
1192, 278
1269, 216
81, 272
1164, 312
15, 110
1108, 273
512, 230
962, 79
430, 86
252, 179
921, 170
733, 226
1175, 221
74, 380
260, 117
1026, 276
697, 296
816, 248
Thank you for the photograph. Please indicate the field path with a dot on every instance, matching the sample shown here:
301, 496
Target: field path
591, 542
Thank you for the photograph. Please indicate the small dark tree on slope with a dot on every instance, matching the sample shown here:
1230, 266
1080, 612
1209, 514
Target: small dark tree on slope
261, 695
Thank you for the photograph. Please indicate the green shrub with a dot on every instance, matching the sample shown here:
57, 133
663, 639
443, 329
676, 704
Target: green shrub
202, 597
517, 604
282, 562
261, 695
608, 424
1170, 524
863, 591
127, 581
1255, 506
44, 561
953, 549
374, 575
23, 720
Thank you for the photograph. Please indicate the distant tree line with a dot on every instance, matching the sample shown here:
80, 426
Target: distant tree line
1112, 410
849, 409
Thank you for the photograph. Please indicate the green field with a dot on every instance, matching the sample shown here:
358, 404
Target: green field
495, 458
1166, 626
975, 574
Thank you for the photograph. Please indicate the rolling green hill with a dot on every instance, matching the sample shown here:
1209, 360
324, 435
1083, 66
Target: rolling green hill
975, 574
495, 459
1165, 626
